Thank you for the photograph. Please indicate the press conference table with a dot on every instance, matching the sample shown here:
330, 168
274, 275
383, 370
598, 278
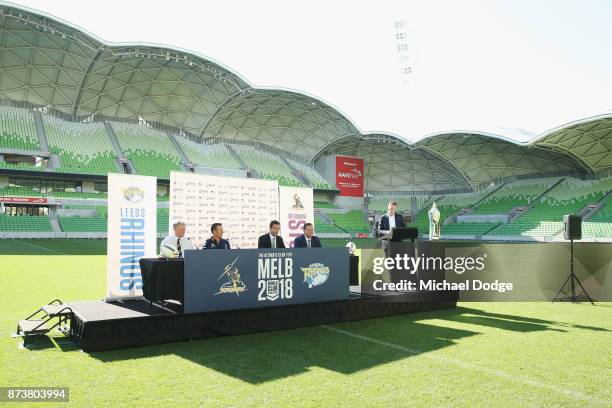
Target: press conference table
163, 279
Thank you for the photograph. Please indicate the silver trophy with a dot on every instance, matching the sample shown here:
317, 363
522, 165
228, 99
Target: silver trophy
434, 222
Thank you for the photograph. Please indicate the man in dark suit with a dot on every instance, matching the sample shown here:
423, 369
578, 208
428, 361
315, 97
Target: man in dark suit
391, 219
307, 239
272, 239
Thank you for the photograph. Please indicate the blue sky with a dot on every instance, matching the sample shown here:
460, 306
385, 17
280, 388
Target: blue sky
477, 65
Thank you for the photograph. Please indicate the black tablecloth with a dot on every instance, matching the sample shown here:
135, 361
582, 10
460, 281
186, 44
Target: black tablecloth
163, 279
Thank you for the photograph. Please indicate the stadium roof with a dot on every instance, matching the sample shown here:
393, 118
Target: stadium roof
49, 62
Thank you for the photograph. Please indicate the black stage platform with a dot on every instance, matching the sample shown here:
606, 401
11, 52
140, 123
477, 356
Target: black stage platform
99, 326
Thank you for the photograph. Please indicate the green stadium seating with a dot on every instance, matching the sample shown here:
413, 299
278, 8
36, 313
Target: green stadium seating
25, 223
21, 166
448, 205
150, 150
82, 224
378, 202
600, 224
17, 129
322, 227
323, 204
546, 217
467, 228
519, 193
82, 147
352, 221
208, 155
316, 180
267, 165
162, 220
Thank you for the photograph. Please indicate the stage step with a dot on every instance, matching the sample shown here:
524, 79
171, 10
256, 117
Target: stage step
29, 327
57, 310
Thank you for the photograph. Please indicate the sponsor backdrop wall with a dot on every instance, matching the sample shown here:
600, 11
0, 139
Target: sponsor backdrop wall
349, 176
296, 209
132, 232
244, 206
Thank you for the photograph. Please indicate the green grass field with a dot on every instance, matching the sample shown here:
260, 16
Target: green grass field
477, 355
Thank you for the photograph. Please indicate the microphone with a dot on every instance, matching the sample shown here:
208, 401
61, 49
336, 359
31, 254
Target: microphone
232, 242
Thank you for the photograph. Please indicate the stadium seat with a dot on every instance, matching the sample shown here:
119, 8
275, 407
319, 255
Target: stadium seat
352, 221
322, 227
150, 150
316, 180
546, 217
25, 223
82, 147
83, 224
17, 129
208, 155
267, 165
519, 193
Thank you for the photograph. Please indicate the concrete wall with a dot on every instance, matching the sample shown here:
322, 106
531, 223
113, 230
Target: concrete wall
3, 181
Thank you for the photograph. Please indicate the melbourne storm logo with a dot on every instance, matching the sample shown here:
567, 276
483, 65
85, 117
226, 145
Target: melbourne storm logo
233, 283
315, 274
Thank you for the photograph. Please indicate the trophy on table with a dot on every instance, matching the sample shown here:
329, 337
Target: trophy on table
434, 222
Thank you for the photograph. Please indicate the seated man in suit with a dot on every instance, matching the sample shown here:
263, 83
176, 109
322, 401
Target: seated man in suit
272, 239
216, 241
391, 219
308, 239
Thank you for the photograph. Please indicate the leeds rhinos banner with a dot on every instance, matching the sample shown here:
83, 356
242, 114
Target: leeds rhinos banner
249, 278
132, 232
296, 208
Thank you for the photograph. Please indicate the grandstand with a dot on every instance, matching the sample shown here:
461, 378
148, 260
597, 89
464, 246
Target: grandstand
208, 155
25, 223
17, 128
267, 165
70, 133
81, 147
517, 194
546, 217
150, 150
315, 179
352, 221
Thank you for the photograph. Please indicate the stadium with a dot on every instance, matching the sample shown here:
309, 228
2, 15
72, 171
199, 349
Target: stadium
74, 108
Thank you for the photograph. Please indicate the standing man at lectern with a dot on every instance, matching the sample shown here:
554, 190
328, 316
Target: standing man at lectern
308, 239
216, 241
391, 219
272, 239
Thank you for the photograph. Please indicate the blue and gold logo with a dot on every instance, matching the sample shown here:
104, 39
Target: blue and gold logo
233, 283
133, 194
315, 274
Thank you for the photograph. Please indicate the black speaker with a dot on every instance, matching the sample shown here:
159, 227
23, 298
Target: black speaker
573, 226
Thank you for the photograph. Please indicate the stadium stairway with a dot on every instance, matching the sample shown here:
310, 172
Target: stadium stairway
187, 165
40, 132
588, 212
121, 157
242, 164
515, 215
54, 223
54, 314
296, 173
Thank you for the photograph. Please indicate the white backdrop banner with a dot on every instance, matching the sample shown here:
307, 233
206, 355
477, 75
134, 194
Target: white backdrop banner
244, 206
296, 209
132, 232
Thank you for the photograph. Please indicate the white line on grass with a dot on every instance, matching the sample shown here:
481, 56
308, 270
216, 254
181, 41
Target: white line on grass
41, 247
449, 360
